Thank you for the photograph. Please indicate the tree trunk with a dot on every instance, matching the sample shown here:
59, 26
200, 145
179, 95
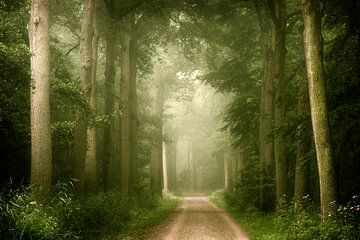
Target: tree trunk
278, 13
133, 106
172, 166
165, 167
125, 107
227, 170
85, 81
41, 159
189, 163
91, 174
311, 10
155, 176
267, 162
302, 167
193, 160
110, 72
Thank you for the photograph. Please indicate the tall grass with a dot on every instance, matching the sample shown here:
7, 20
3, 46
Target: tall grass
304, 225
94, 217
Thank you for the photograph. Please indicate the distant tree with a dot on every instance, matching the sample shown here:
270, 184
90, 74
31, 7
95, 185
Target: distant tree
312, 13
41, 159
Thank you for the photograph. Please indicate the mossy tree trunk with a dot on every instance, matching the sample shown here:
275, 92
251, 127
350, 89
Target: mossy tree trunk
91, 169
312, 11
266, 150
81, 123
41, 159
133, 104
302, 168
108, 158
125, 107
278, 15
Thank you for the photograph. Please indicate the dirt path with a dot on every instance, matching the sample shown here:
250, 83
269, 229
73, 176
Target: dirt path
198, 218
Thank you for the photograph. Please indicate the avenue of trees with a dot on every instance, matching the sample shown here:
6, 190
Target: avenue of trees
259, 97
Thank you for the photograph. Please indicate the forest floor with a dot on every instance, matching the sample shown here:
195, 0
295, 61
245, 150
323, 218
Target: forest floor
197, 218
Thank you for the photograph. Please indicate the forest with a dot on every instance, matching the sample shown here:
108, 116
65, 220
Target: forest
117, 116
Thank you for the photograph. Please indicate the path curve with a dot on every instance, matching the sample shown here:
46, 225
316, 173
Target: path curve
198, 218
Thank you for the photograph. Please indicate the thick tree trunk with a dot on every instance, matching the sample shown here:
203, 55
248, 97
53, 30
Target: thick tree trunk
110, 72
85, 81
302, 167
91, 173
125, 107
311, 10
41, 159
133, 107
267, 161
278, 13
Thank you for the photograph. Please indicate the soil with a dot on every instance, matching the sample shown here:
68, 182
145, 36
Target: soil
197, 218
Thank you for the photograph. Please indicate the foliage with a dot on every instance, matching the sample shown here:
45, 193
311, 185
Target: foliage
63, 217
304, 225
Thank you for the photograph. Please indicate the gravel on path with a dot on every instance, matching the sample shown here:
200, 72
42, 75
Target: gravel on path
198, 218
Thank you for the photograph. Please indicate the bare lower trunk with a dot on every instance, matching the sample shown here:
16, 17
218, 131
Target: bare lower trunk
41, 159
279, 20
227, 170
85, 81
125, 108
302, 167
266, 150
311, 10
165, 167
91, 174
133, 108
110, 71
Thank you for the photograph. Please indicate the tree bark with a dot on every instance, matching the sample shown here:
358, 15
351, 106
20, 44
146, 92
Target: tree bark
266, 150
133, 105
41, 159
278, 13
227, 170
85, 81
110, 71
91, 173
125, 107
193, 161
165, 167
302, 167
311, 10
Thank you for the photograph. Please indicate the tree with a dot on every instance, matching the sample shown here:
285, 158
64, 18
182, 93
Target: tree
302, 168
266, 149
133, 103
81, 124
108, 158
91, 176
278, 15
312, 12
41, 159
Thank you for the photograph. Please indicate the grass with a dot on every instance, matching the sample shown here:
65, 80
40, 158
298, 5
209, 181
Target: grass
101, 216
305, 225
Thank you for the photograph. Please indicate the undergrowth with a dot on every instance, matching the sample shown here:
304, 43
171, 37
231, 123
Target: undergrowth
62, 217
304, 225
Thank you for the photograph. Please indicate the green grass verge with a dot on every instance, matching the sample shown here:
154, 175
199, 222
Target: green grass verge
100, 216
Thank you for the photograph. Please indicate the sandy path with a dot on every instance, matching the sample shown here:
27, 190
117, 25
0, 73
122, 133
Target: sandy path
198, 218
